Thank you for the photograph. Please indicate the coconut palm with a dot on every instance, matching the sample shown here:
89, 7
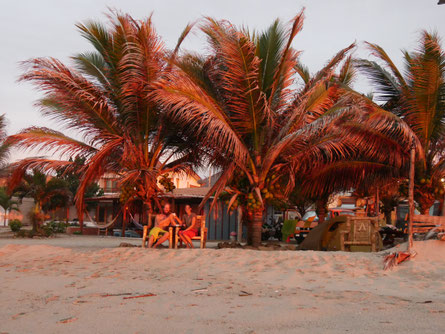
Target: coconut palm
4, 147
104, 98
417, 95
257, 125
7, 203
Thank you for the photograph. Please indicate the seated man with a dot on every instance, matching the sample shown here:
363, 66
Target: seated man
192, 227
159, 232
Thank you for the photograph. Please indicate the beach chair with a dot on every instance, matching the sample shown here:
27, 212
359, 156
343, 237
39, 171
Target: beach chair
202, 237
146, 230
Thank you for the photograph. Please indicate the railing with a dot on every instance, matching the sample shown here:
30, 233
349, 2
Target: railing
111, 190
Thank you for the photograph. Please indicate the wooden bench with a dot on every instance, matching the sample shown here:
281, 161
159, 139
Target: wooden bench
202, 237
422, 224
425, 223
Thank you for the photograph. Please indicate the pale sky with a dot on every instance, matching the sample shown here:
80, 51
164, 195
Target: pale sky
40, 28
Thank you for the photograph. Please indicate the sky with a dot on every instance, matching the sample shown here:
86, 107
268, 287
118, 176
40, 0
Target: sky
46, 28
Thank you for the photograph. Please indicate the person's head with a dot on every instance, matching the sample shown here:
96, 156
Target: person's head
188, 209
167, 209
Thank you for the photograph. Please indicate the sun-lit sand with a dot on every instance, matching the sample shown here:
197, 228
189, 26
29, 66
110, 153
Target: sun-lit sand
49, 289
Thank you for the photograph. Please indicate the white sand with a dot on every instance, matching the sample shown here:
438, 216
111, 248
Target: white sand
48, 289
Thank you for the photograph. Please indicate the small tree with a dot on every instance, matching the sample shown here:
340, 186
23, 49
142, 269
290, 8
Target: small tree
7, 203
47, 194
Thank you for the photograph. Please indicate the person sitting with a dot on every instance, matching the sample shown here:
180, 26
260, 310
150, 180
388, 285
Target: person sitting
192, 227
159, 233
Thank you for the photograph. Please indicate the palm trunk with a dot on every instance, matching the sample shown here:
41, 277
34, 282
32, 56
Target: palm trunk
321, 209
387, 217
255, 228
36, 214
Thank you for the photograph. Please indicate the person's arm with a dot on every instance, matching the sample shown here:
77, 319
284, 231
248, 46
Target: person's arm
174, 217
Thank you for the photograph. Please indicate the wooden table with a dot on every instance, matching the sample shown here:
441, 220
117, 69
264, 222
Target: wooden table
173, 238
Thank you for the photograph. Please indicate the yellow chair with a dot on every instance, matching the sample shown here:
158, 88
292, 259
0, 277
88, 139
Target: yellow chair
202, 237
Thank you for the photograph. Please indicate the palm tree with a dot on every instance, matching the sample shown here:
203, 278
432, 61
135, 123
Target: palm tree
105, 99
48, 194
7, 203
4, 147
257, 126
417, 95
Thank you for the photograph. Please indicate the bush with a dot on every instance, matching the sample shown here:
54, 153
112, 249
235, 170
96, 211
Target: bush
57, 227
25, 234
47, 231
15, 225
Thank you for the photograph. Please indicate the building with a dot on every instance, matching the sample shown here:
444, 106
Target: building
190, 190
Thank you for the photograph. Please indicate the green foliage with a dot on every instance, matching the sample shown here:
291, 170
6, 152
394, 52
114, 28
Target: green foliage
47, 231
58, 194
416, 94
15, 225
47, 194
57, 226
25, 234
72, 178
6, 202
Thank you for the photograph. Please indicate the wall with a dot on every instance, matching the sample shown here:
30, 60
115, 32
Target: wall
25, 207
220, 223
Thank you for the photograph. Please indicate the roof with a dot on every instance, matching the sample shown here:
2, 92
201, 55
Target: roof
190, 192
103, 197
213, 178
198, 192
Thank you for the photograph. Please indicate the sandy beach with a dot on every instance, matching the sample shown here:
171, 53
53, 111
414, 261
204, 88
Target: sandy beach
49, 289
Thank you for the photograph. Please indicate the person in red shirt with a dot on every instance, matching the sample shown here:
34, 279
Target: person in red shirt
192, 225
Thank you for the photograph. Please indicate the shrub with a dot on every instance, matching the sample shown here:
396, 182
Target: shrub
47, 231
15, 225
25, 234
57, 227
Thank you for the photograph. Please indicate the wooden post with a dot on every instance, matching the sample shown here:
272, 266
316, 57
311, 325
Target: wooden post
124, 220
377, 202
239, 233
411, 197
443, 205
80, 217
